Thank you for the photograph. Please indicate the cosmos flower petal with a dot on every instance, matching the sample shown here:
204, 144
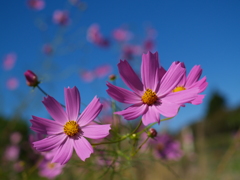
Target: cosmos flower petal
64, 152
83, 148
193, 75
123, 95
49, 143
133, 111
96, 131
55, 109
149, 70
181, 97
198, 100
72, 101
167, 109
45, 126
129, 77
90, 112
151, 116
201, 84
171, 78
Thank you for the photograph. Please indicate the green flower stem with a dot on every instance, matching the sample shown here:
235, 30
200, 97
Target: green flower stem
138, 126
140, 147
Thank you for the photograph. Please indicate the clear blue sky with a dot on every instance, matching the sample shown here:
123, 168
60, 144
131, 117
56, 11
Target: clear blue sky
195, 32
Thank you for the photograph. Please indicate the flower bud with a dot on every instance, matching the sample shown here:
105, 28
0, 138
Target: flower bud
112, 77
32, 79
152, 133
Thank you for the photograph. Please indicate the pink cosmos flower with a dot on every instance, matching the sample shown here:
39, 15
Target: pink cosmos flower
15, 137
152, 96
94, 36
36, 4
121, 34
87, 76
68, 130
12, 153
103, 70
129, 51
192, 81
61, 17
9, 61
12, 83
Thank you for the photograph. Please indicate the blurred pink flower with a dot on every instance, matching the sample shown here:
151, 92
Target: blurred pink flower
148, 45
121, 34
12, 153
19, 166
15, 137
9, 61
31, 78
130, 51
69, 130
12, 83
36, 4
103, 70
94, 36
87, 76
47, 49
61, 17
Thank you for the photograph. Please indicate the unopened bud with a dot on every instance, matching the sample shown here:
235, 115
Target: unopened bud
112, 77
152, 133
32, 79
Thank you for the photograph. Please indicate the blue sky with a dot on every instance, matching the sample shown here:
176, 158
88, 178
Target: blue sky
194, 32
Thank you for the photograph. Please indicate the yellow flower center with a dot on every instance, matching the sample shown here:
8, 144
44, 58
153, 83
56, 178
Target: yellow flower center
149, 97
71, 128
179, 88
51, 165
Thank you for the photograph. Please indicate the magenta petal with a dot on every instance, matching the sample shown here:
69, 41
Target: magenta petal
198, 100
194, 75
90, 112
129, 77
83, 148
149, 70
151, 116
45, 126
123, 95
133, 111
55, 109
49, 143
64, 152
167, 109
201, 85
96, 131
171, 78
162, 71
72, 100
181, 97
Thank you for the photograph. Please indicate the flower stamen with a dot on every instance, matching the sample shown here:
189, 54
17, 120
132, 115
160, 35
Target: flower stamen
149, 97
71, 128
179, 88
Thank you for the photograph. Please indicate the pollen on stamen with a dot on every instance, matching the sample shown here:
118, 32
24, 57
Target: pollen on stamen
71, 128
149, 97
179, 88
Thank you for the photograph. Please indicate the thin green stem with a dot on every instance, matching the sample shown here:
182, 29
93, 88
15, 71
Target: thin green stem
42, 90
140, 147
138, 126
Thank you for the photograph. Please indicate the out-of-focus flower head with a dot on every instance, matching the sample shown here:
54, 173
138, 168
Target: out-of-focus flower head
69, 130
36, 4
19, 166
166, 147
103, 70
15, 137
112, 77
32, 79
12, 83
95, 36
122, 34
61, 17
47, 49
152, 133
9, 61
148, 45
12, 153
130, 51
87, 76
48, 169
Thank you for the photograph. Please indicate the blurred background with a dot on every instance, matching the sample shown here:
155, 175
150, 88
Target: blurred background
79, 43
